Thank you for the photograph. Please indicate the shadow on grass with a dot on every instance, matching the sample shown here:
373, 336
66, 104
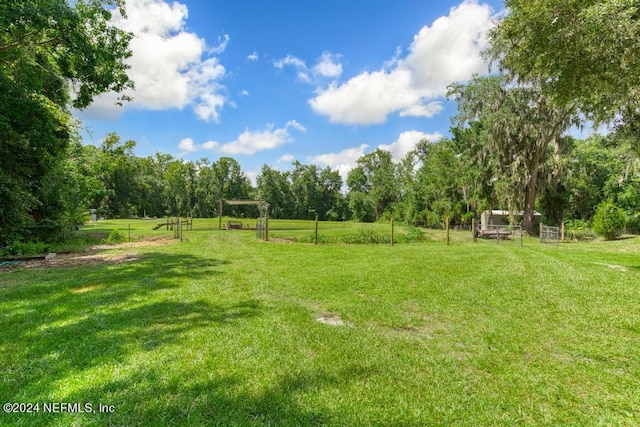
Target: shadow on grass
152, 397
73, 319
123, 335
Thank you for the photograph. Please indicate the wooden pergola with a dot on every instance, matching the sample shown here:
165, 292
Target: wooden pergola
241, 202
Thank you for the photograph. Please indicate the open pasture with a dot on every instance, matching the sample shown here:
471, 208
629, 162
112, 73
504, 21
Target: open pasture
224, 329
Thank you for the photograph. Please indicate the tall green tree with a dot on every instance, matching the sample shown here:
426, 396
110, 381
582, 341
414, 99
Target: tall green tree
601, 169
584, 53
47, 48
152, 185
331, 200
306, 190
410, 204
231, 182
476, 167
374, 178
554, 193
118, 171
274, 188
206, 195
519, 125
177, 188
440, 181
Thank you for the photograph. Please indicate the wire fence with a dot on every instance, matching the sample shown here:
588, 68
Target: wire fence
500, 233
549, 234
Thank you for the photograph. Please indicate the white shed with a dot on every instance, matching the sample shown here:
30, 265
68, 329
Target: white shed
499, 217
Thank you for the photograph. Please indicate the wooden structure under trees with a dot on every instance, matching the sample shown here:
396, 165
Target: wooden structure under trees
240, 202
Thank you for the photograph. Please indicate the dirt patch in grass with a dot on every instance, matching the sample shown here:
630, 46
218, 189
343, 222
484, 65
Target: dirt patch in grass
147, 241
281, 240
329, 318
613, 266
91, 255
74, 259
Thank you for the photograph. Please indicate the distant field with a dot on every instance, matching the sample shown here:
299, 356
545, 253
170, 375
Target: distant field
297, 230
225, 329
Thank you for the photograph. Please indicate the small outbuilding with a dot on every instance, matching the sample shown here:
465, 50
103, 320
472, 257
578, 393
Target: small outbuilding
489, 219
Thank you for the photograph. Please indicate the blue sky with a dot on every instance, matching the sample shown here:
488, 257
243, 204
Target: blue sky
271, 82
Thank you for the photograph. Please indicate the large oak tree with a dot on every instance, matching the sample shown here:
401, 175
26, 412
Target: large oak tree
584, 53
519, 127
54, 55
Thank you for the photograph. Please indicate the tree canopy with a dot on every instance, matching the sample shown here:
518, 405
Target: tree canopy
53, 56
583, 52
519, 124
508, 147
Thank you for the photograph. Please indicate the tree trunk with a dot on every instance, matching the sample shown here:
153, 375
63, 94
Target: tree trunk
529, 203
531, 190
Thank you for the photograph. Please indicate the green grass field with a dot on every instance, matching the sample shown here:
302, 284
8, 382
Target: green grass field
222, 329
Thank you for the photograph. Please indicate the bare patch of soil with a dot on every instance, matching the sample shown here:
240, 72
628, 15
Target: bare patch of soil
148, 241
74, 259
280, 240
91, 255
329, 318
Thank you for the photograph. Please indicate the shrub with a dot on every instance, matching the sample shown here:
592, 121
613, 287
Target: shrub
609, 220
633, 223
414, 234
18, 248
310, 238
115, 237
578, 229
367, 237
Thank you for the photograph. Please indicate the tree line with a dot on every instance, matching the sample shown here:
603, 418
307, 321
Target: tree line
558, 64
449, 178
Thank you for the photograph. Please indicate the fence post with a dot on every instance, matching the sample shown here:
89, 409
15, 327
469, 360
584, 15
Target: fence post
447, 231
391, 231
129, 233
473, 228
220, 216
266, 224
315, 240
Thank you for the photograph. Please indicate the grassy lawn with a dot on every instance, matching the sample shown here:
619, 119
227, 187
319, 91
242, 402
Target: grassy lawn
222, 329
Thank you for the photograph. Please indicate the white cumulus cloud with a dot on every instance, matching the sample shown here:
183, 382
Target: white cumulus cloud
328, 66
287, 158
406, 142
290, 60
250, 142
294, 124
170, 66
366, 98
444, 52
420, 110
343, 161
347, 159
210, 145
187, 145
298, 64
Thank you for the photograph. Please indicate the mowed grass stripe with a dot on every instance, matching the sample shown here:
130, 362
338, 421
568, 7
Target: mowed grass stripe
222, 330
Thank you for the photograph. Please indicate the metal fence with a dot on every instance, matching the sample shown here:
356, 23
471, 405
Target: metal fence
261, 228
500, 233
549, 234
